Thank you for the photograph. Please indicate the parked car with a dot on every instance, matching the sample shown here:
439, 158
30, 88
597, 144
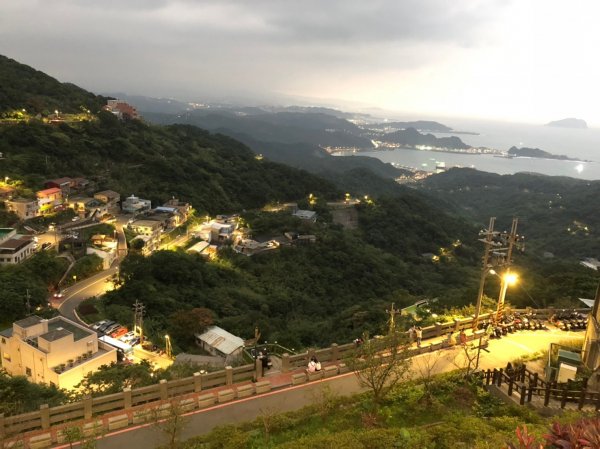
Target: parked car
127, 337
99, 324
106, 325
134, 341
119, 332
46, 245
110, 329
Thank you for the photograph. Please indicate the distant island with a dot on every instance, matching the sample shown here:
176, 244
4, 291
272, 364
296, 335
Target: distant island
536, 152
569, 123
421, 125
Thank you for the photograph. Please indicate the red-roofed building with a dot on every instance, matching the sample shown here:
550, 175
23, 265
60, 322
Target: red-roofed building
48, 199
63, 184
121, 109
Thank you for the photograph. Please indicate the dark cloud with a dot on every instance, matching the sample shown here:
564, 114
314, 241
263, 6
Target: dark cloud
189, 47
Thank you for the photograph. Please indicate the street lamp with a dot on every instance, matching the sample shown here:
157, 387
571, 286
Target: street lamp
506, 279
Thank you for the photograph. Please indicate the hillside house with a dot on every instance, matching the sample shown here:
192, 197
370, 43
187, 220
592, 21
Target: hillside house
14, 248
134, 205
64, 184
25, 208
110, 197
309, 215
49, 199
122, 109
57, 351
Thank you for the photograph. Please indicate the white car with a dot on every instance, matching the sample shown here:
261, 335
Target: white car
95, 326
127, 337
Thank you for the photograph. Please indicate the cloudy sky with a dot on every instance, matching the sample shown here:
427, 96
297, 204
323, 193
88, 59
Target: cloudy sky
520, 60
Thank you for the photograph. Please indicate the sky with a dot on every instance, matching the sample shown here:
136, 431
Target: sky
522, 60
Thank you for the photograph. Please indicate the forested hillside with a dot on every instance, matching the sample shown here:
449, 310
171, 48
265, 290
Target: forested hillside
556, 214
216, 173
23, 87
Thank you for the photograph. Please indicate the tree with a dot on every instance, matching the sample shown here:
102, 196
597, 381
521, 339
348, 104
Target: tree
184, 324
170, 421
114, 378
381, 363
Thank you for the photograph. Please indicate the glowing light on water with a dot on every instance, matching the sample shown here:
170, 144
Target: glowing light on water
579, 168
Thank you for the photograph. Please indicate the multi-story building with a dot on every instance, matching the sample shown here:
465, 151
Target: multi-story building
110, 197
55, 351
25, 208
49, 199
14, 248
134, 205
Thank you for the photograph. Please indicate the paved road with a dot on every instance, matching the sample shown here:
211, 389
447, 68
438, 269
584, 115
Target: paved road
502, 351
92, 286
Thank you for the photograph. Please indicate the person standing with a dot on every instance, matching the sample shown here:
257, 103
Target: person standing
462, 337
419, 333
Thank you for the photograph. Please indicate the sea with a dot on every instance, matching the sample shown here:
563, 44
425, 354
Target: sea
580, 144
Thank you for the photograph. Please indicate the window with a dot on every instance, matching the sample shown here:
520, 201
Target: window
28, 371
3, 339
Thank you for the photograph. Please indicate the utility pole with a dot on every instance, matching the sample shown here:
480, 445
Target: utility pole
28, 302
487, 241
392, 321
139, 310
511, 240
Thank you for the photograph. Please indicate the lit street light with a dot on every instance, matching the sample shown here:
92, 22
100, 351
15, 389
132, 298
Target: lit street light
506, 279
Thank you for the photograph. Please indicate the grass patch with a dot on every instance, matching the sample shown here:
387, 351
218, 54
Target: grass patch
90, 311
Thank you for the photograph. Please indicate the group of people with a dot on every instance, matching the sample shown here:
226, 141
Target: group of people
314, 365
416, 333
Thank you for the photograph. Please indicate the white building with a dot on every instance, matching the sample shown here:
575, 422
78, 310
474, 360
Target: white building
55, 351
309, 215
133, 205
14, 248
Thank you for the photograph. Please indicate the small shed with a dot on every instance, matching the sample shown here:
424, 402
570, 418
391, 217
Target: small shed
219, 342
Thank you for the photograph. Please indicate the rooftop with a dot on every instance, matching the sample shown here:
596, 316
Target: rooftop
221, 340
57, 323
29, 321
49, 191
56, 334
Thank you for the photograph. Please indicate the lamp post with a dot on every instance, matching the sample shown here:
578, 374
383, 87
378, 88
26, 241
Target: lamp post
506, 279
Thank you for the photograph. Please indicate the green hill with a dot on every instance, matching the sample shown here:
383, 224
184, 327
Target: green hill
23, 87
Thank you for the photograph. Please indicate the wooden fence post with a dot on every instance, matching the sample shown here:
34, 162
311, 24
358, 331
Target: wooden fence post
500, 373
229, 374
45, 416
530, 393
547, 395
522, 400
335, 352
535, 379
510, 386
87, 406
563, 400
197, 382
581, 398
164, 390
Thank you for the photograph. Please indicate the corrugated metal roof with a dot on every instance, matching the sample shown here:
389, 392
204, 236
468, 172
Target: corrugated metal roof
221, 340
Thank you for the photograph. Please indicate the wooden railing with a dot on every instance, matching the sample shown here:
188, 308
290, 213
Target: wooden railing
527, 385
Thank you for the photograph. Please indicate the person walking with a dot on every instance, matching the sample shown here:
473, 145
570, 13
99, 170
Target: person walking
419, 333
